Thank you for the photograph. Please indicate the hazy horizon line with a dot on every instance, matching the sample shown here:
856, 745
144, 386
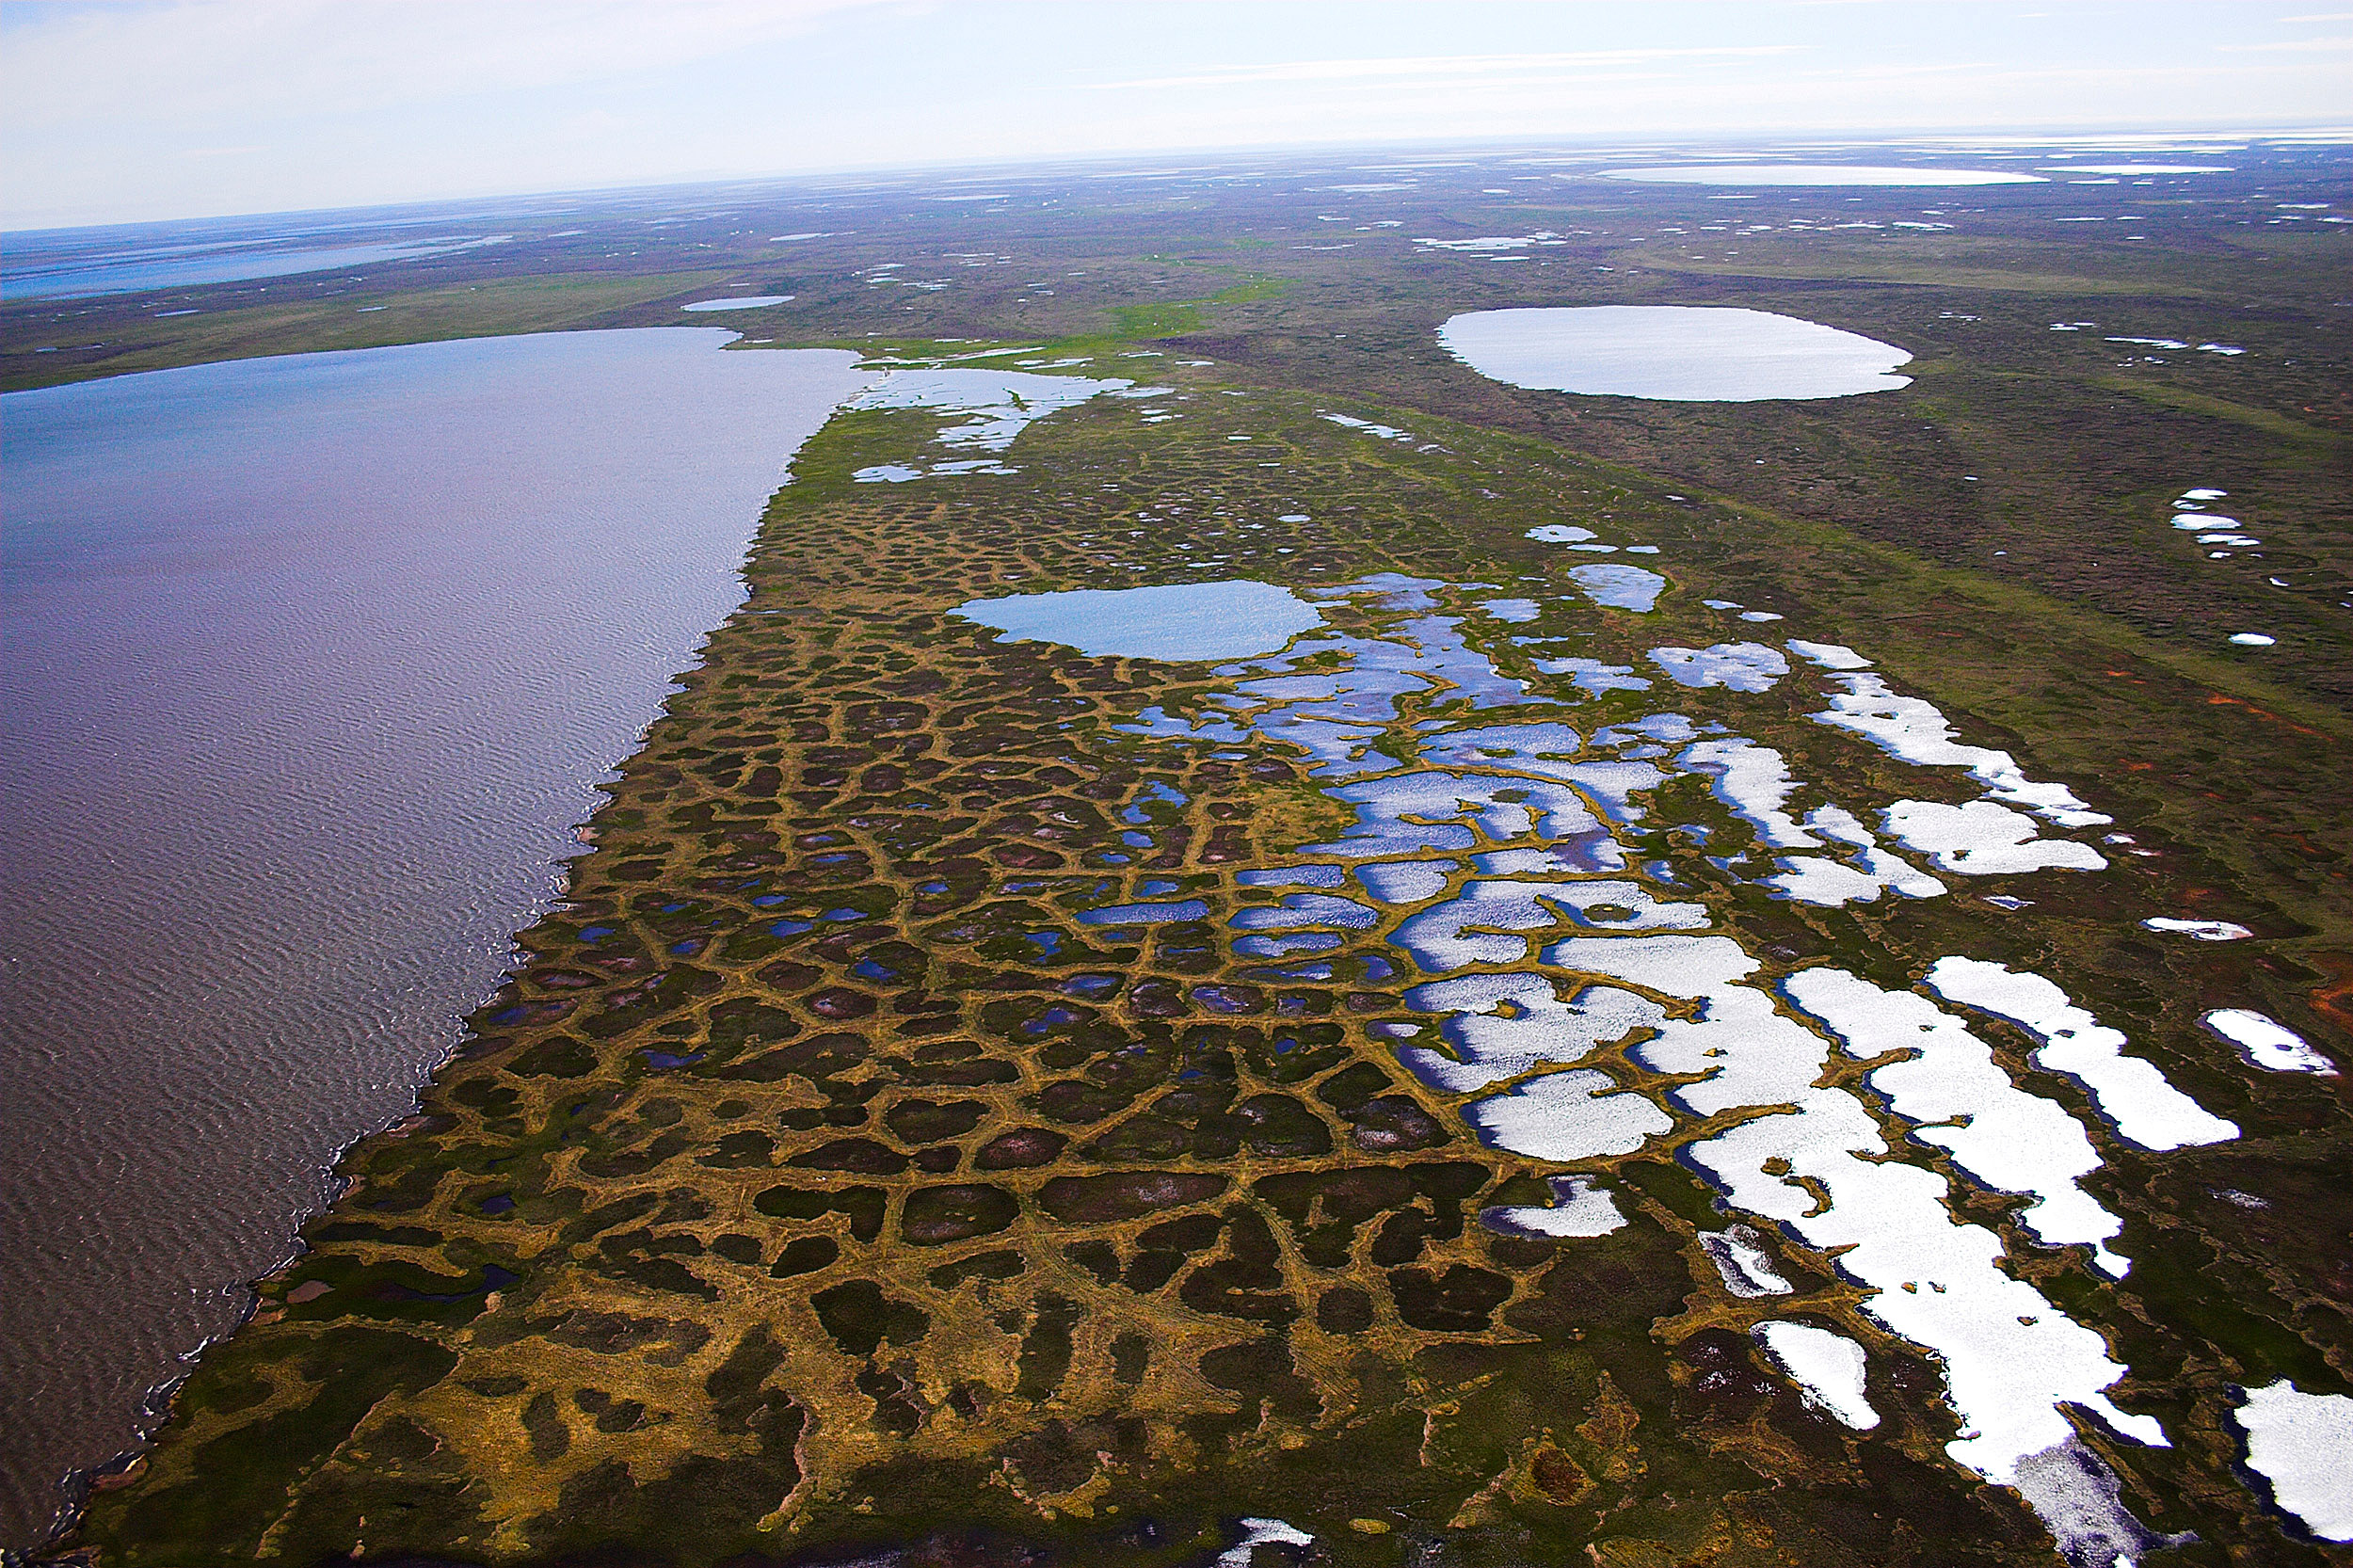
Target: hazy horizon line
1816, 139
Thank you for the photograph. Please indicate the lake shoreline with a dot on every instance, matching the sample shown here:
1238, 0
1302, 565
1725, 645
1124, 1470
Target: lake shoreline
245, 560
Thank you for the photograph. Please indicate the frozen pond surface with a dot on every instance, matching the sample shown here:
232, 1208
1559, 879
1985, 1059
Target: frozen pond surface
1739, 1257
2005, 1138
1741, 667
2302, 1444
1829, 1367
1981, 839
1829, 656
1822, 174
1262, 1532
1671, 352
739, 302
1578, 1208
1181, 622
1618, 588
314, 664
1575, 1003
1913, 731
2129, 1090
2199, 930
2268, 1043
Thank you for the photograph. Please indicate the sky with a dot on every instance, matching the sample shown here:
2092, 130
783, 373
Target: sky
151, 109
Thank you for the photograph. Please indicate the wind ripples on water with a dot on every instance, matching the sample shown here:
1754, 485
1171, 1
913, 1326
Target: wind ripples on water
313, 665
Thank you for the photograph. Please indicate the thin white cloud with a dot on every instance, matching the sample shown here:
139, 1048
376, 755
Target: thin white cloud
254, 58
1453, 66
112, 112
2294, 46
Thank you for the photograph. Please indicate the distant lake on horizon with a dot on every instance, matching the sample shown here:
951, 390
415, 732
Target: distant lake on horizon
312, 664
38, 273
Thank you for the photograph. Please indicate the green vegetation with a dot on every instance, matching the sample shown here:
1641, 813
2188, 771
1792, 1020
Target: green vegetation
823, 1183
1184, 315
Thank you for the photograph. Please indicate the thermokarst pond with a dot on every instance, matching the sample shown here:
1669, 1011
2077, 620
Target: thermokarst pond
739, 302
1672, 353
1183, 621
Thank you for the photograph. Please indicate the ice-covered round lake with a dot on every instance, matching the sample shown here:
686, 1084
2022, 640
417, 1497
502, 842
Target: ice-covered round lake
739, 302
1179, 621
1672, 353
1820, 174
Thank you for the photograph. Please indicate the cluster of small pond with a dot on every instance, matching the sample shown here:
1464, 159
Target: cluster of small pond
996, 405
2221, 537
1490, 856
1490, 851
1493, 857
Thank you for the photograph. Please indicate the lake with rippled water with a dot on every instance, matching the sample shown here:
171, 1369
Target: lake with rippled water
313, 666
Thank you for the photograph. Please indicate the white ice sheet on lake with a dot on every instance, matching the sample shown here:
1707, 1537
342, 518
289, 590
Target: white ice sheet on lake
1828, 1366
1866, 872
1829, 656
1739, 666
1499, 1026
1981, 839
1914, 731
1754, 780
1671, 352
1567, 1116
1618, 588
2302, 1444
2012, 1359
2201, 931
2130, 1091
2005, 1139
1480, 924
1595, 675
1258, 1532
1739, 1254
2268, 1043
1578, 1208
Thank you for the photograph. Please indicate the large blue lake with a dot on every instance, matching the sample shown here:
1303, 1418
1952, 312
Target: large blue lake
312, 664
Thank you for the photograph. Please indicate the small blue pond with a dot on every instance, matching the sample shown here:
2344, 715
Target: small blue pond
1181, 622
1146, 914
